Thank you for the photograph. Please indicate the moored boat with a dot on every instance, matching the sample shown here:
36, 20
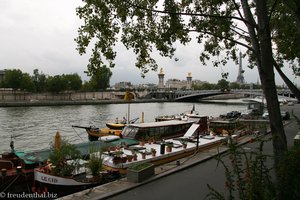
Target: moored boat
46, 181
16, 172
119, 125
116, 126
162, 151
94, 133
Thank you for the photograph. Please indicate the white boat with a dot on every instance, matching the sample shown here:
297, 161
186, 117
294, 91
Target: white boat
47, 178
181, 147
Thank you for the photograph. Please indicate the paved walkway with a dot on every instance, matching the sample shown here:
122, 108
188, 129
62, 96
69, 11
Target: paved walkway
122, 185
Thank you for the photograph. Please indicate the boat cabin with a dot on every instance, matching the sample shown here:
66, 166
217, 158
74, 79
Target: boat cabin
229, 126
161, 130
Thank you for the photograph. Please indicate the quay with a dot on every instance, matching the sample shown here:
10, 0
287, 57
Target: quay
76, 102
122, 189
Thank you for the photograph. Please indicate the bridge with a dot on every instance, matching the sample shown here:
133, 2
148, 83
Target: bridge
187, 96
195, 95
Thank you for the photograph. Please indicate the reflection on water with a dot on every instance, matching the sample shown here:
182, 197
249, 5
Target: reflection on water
34, 127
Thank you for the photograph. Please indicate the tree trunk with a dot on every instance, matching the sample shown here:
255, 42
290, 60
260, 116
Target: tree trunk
287, 81
266, 73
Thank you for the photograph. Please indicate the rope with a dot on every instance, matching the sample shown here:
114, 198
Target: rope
11, 183
77, 134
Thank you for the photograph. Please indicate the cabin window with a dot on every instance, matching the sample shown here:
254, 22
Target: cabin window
141, 134
162, 131
154, 131
129, 132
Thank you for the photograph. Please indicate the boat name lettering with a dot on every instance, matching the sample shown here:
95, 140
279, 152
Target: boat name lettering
49, 179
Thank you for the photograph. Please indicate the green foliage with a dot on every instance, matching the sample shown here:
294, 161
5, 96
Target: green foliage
55, 84
13, 79
59, 158
39, 80
286, 32
223, 85
73, 81
100, 78
289, 173
247, 176
205, 86
27, 83
95, 164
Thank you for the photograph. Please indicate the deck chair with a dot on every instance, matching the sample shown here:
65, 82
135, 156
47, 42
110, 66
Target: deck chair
189, 133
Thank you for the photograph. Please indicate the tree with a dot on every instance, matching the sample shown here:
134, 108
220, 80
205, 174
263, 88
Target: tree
73, 81
27, 83
39, 80
222, 26
286, 33
13, 79
100, 78
223, 85
55, 84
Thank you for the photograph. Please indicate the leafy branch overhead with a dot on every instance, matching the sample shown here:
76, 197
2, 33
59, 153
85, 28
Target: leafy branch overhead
148, 26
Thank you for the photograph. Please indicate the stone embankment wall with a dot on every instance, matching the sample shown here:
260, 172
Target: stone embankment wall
9, 95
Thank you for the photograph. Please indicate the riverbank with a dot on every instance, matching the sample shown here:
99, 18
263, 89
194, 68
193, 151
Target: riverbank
75, 102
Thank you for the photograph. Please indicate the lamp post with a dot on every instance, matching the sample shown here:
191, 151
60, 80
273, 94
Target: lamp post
128, 97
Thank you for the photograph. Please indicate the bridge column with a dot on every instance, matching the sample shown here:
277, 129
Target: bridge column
161, 76
189, 81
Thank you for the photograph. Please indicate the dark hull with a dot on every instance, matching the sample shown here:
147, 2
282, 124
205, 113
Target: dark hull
63, 190
60, 190
17, 184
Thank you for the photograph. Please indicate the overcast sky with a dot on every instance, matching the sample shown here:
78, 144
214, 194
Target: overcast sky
39, 34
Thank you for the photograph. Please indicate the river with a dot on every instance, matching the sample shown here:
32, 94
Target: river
34, 128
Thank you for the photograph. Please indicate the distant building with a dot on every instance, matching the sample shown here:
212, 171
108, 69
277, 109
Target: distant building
123, 85
147, 86
198, 82
177, 84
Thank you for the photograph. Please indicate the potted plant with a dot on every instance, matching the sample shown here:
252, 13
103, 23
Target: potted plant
150, 140
59, 157
142, 141
129, 158
143, 155
95, 166
123, 159
153, 152
184, 143
169, 147
134, 155
117, 157
141, 172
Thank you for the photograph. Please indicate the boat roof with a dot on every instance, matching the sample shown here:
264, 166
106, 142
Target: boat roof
161, 123
84, 148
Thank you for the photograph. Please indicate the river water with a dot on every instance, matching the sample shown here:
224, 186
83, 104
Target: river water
34, 128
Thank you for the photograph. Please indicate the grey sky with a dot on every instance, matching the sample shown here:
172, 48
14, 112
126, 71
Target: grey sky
40, 34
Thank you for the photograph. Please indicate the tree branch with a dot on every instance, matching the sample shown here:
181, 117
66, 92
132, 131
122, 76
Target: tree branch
188, 14
224, 38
